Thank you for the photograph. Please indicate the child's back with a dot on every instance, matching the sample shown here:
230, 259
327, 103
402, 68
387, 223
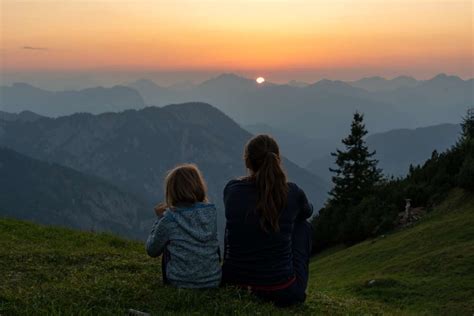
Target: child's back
187, 237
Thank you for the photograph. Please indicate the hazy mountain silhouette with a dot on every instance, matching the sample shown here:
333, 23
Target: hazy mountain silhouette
319, 110
442, 99
20, 97
337, 87
25, 116
228, 82
297, 84
154, 94
325, 107
374, 84
182, 86
134, 149
58, 195
397, 149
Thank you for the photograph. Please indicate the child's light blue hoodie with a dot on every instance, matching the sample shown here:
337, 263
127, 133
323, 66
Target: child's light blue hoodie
190, 237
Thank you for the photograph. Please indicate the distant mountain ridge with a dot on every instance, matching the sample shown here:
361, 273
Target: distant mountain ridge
441, 99
320, 110
52, 194
374, 84
324, 107
24, 97
25, 116
397, 149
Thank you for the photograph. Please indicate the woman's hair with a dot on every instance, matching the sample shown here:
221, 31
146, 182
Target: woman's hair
262, 158
184, 185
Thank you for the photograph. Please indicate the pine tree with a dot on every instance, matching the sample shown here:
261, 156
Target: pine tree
356, 172
468, 126
465, 146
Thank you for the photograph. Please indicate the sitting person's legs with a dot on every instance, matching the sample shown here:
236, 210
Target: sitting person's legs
302, 243
295, 293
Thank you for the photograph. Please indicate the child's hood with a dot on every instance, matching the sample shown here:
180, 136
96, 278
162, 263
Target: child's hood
199, 221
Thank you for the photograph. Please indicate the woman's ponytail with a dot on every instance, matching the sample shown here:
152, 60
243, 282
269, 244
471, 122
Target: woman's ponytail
262, 157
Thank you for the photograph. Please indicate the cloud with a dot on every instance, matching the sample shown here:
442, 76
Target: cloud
34, 48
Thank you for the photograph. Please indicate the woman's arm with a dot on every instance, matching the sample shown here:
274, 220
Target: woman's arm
158, 238
306, 208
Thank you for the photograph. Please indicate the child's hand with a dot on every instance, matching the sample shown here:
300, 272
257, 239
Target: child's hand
160, 209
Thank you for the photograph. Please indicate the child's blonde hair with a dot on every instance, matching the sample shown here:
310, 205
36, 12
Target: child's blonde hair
185, 185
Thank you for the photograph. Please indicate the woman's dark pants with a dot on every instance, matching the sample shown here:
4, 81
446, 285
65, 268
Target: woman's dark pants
295, 293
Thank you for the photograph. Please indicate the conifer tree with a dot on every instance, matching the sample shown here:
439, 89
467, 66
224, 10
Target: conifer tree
468, 125
356, 172
465, 177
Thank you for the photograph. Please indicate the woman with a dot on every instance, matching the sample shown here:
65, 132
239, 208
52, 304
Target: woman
267, 240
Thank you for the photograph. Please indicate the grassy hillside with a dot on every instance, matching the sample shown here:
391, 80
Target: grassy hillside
425, 269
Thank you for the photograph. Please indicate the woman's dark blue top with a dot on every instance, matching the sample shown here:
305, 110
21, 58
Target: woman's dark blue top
253, 256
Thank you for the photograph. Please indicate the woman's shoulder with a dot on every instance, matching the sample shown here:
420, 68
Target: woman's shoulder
239, 186
293, 186
295, 189
244, 181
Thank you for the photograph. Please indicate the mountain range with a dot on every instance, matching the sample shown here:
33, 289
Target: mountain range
24, 116
397, 149
55, 195
133, 149
318, 110
21, 96
374, 84
325, 107
442, 99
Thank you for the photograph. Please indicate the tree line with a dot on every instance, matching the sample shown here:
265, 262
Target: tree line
363, 203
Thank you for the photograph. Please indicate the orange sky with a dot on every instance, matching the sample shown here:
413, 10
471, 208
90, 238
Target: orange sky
247, 35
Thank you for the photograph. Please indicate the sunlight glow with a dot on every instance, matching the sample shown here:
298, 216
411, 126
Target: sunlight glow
260, 80
343, 36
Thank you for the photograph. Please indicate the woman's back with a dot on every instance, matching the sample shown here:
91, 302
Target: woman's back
253, 256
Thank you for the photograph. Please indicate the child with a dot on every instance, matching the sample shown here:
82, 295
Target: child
185, 232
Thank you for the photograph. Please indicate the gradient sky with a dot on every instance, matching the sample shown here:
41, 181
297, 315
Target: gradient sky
286, 39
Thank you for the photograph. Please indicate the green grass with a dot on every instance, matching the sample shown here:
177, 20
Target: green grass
425, 269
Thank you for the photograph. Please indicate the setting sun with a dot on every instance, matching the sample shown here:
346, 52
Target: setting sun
260, 80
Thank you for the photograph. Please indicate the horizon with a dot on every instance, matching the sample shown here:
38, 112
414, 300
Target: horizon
56, 82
